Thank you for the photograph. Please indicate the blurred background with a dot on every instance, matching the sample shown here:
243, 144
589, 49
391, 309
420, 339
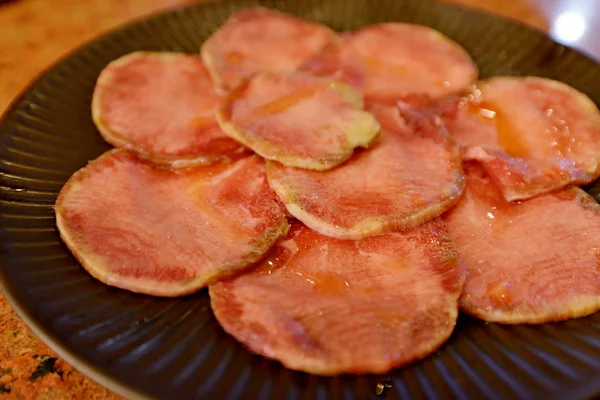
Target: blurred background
571, 22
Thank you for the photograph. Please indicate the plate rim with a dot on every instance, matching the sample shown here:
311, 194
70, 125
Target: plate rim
77, 362
43, 333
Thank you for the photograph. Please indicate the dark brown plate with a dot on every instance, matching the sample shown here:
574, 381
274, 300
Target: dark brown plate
141, 346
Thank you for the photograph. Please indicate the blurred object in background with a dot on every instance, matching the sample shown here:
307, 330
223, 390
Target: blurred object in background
574, 23
569, 22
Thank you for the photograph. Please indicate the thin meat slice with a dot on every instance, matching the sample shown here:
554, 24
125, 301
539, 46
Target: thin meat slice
328, 306
389, 61
261, 40
298, 119
531, 261
163, 107
167, 232
412, 175
533, 135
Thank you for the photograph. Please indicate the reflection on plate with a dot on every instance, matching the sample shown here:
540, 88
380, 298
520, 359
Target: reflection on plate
173, 348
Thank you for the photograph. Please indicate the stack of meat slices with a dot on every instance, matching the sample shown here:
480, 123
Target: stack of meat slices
342, 196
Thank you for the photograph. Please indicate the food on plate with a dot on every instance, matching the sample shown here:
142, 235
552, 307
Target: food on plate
163, 107
533, 135
530, 261
164, 232
261, 40
368, 275
389, 61
298, 119
330, 306
412, 175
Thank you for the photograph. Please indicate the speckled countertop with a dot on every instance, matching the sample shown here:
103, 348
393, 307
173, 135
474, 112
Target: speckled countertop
35, 33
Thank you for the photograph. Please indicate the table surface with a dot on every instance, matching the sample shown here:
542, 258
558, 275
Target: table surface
33, 35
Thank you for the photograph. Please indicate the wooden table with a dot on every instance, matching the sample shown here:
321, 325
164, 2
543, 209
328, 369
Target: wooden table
35, 33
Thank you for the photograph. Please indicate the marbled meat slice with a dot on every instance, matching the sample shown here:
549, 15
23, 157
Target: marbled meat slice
412, 175
167, 232
261, 40
530, 261
389, 61
329, 306
298, 119
533, 135
163, 107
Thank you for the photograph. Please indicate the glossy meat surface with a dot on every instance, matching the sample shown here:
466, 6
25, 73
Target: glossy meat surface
412, 175
166, 233
390, 61
298, 119
163, 107
330, 306
532, 135
261, 40
529, 261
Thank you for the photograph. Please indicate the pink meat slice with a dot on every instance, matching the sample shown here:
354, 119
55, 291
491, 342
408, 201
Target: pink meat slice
532, 135
298, 119
412, 175
163, 107
389, 61
328, 306
261, 40
530, 261
167, 232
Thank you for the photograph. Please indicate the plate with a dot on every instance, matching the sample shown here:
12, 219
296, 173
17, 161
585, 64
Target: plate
144, 347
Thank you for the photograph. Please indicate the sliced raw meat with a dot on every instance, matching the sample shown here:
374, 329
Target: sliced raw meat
330, 306
411, 176
167, 232
261, 40
163, 107
529, 261
392, 60
533, 135
298, 119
